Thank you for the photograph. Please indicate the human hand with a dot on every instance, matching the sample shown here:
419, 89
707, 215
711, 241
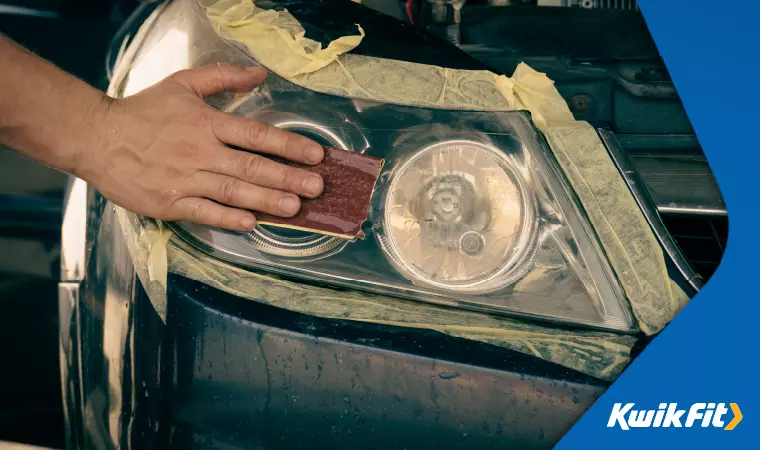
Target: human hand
164, 153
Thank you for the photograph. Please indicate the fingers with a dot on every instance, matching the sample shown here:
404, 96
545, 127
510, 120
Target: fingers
259, 170
260, 137
234, 192
219, 77
206, 212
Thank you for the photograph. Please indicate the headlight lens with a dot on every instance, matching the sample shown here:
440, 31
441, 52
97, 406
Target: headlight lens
471, 209
457, 218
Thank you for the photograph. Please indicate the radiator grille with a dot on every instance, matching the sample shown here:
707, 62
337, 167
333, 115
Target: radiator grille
615, 4
591, 4
701, 238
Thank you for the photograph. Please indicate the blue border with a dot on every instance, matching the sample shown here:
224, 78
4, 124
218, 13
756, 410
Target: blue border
710, 352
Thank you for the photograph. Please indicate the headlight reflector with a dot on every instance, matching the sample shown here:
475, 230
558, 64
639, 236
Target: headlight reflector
457, 218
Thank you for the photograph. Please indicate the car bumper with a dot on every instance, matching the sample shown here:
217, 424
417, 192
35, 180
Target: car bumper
244, 383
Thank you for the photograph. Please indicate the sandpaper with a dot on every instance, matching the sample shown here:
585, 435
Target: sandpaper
349, 179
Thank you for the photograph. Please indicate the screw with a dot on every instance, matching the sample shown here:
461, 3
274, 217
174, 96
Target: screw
581, 103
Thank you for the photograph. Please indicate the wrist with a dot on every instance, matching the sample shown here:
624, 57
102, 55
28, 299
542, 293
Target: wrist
100, 127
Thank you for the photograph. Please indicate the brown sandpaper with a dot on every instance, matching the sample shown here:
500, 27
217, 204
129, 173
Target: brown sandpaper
349, 179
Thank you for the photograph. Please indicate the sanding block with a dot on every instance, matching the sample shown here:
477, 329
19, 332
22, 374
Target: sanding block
349, 179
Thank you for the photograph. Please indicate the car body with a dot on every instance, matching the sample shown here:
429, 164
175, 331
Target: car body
224, 372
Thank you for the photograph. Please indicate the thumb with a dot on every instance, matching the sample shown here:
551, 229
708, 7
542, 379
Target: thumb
219, 77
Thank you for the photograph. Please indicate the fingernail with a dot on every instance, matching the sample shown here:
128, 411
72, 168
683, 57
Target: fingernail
248, 222
312, 184
289, 204
314, 154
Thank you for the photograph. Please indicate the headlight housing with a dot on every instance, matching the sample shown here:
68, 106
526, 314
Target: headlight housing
471, 209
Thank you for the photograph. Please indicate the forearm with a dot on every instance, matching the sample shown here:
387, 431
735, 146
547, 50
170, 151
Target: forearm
163, 152
45, 113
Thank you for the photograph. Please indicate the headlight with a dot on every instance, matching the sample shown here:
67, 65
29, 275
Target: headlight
471, 210
457, 216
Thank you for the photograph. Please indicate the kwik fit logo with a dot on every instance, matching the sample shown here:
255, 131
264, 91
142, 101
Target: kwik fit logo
669, 415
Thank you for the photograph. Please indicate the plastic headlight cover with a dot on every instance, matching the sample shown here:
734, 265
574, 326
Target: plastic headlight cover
476, 216
471, 209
